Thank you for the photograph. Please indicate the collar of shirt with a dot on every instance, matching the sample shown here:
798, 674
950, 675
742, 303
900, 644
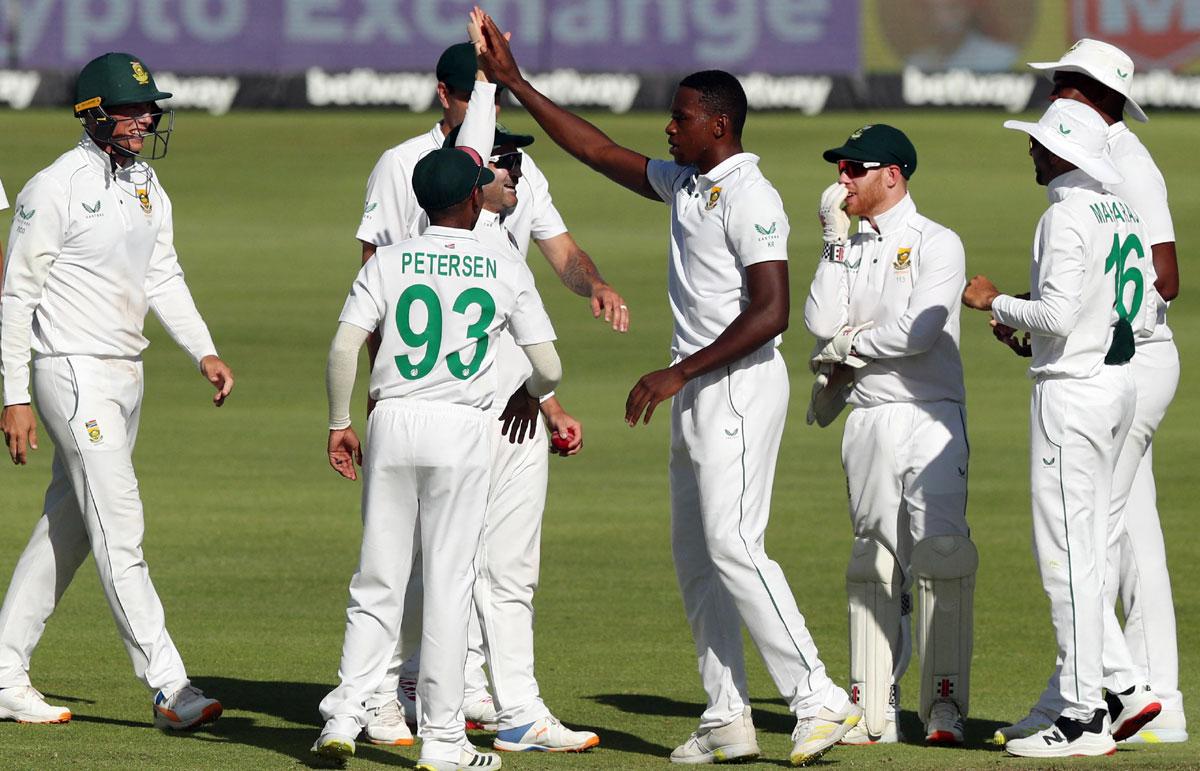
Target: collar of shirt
1062, 185
102, 162
436, 134
1116, 129
722, 170
440, 231
891, 220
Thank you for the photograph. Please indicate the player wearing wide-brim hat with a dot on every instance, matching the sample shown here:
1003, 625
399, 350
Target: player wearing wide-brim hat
1068, 129
1101, 62
111, 90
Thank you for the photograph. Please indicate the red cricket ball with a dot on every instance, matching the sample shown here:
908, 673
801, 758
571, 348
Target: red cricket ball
558, 442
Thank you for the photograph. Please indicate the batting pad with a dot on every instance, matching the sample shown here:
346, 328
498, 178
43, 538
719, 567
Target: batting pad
945, 568
873, 587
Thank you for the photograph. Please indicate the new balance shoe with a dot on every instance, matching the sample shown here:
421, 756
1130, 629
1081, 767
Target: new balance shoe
1131, 709
25, 704
1038, 719
1067, 738
469, 759
480, 713
386, 725
945, 726
333, 744
733, 741
185, 709
545, 735
1168, 728
813, 736
859, 735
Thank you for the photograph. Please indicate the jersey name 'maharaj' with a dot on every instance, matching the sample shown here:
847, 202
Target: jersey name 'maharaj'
1113, 211
464, 266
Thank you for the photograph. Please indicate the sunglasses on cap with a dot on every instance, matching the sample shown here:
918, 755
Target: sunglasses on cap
506, 161
857, 168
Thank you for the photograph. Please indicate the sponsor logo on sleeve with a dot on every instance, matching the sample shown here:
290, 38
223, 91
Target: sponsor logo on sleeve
768, 235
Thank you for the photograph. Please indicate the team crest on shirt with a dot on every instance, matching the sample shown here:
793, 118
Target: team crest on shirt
93, 432
713, 196
143, 196
902, 262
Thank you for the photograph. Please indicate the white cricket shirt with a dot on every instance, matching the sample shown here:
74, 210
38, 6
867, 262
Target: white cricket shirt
3, 198
907, 277
721, 223
439, 302
1146, 191
1073, 278
88, 254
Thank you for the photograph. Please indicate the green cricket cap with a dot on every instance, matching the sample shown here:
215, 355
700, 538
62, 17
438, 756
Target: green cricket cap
446, 177
502, 138
456, 68
878, 143
115, 79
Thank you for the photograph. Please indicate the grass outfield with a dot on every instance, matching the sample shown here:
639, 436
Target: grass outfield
252, 538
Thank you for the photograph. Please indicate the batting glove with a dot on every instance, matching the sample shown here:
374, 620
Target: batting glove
839, 349
835, 223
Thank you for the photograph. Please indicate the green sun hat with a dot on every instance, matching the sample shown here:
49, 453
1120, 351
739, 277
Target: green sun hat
877, 143
446, 177
115, 79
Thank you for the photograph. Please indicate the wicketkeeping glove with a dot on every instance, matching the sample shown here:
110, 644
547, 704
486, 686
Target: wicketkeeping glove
839, 349
835, 223
829, 393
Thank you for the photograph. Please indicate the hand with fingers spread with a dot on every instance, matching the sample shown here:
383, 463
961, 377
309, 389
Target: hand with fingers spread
1009, 336
345, 451
220, 375
519, 420
496, 58
20, 431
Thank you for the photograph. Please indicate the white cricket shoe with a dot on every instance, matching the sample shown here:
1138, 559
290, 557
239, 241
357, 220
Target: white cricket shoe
333, 745
469, 759
185, 709
859, 735
480, 714
1168, 728
1038, 719
385, 725
1067, 738
25, 704
545, 735
1131, 710
813, 736
733, 741
407, 696
945, 726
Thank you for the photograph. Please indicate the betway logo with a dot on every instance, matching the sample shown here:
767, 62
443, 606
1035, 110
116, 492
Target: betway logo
616, 91
415, 91
798, 92
965, 88
1162, 88
202, 93
17, 87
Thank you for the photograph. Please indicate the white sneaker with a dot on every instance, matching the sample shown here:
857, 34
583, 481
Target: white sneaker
545, 735
1038, 719
859, 735
480, 714
469, 759
1067, 738
732, 741
185, 709
332, 745
1131, 710
945, 726
1168, 728
385, 725
24, 704
407, 696
813, 736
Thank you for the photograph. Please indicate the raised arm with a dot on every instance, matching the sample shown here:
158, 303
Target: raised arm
574, 134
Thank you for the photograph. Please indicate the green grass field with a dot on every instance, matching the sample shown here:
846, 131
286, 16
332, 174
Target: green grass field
252, 539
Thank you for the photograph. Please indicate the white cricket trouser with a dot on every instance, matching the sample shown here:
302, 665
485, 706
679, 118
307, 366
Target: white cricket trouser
725, 433
425, 478
92, 504
1077, 428
906, 472
1137, 558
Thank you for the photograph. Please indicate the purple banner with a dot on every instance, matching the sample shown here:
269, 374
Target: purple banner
262, 36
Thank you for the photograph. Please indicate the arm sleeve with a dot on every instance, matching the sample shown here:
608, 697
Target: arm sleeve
547, 369
478, 130
170, 298
340, 371
365, 306
1146, 191
391, 207
1062, 268
38, 230
756, 227
664, 177
546, 222
827, 308
3, 198
935, 297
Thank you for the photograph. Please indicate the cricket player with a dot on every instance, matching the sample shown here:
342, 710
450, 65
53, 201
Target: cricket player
438, 302
391, 213
1083, 312
1100, 76
727, 283
884, 306
91, 250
